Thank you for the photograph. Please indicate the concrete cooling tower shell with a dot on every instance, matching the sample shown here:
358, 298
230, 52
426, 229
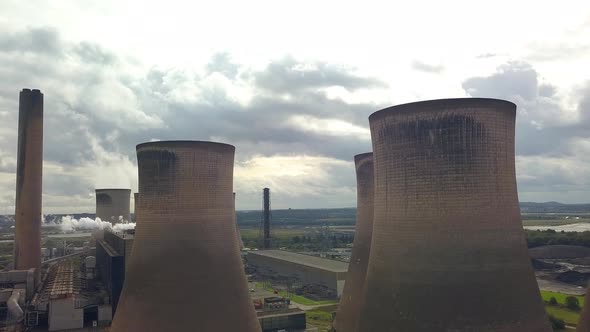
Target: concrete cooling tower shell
185, 270
584, 320
353, 293
29, 173
448, 251
238, 234
135, 202
113, 204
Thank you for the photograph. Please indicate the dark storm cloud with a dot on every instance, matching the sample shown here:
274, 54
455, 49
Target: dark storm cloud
427, 68
290, 76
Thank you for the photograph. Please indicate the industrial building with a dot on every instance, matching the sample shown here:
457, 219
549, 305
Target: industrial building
113, 205
353, 293
185, 271
448, 251
112, 260
304, 269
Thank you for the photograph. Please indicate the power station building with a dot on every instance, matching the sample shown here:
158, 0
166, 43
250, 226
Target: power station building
112, 259
302, 268
448, 251
113, 205
185, 271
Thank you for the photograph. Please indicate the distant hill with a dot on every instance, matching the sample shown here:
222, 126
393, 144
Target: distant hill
332, 217
553, 207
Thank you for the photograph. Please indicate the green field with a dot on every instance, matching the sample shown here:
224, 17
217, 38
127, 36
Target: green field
546, 295
570, 317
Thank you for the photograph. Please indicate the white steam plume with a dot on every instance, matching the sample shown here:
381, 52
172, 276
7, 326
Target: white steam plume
70, 224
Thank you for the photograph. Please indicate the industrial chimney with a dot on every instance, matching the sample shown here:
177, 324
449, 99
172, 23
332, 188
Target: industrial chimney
29, 170
185, 270
238, 235
113, 204
353, 293
266, 218
448, 251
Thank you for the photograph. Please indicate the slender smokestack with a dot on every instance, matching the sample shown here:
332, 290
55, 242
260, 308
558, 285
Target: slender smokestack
448, 251
29, 170
185, 270
353, 293
239, 236
266, 218
113, 204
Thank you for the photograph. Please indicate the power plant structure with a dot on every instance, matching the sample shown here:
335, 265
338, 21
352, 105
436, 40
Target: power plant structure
584, 320
265, 226
353, 294
186, 214
135, 202
448, 251
113, 205
238, 235
29, 173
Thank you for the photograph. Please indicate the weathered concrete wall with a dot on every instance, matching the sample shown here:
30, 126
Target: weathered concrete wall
186, 273
353, 293
448, 251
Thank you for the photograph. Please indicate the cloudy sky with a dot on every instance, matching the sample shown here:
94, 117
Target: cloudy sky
290, 84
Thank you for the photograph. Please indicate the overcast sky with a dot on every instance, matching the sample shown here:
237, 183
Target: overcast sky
290, 84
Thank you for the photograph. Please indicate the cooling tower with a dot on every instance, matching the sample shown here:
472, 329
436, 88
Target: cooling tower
584, 320
185, 270
352, 295
448, 251
135, 201
29, 169
113, 204
238, 235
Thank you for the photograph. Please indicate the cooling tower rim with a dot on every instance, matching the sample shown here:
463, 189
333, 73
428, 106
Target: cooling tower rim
362, 156
112, 189
184, 143
435, 104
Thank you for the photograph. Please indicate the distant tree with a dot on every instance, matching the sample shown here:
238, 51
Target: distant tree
556, 323
552, 301
572, 303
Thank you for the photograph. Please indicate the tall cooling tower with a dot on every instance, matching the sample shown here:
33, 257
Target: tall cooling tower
238, 235
448, 251
584, 320
353, 294
113, 204
135, 202
185, 270
29, 172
